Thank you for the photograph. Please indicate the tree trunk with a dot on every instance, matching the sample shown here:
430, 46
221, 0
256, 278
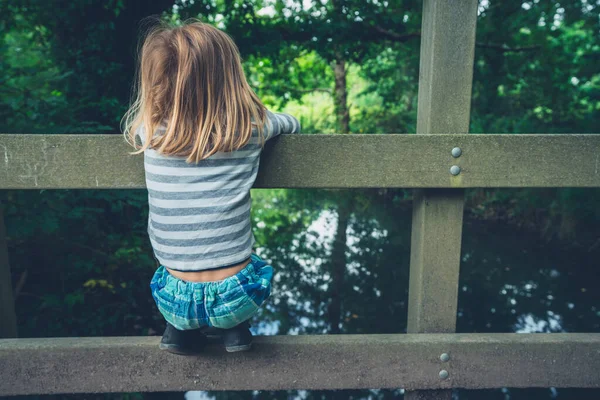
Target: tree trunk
340, 97
338, 268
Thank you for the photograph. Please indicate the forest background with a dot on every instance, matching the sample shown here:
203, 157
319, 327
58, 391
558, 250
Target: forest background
81, 260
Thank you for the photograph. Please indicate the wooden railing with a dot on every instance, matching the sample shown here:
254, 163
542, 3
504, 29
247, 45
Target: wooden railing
323, 161
429, 359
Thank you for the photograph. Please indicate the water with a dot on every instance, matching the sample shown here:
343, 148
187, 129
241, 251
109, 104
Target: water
511, 280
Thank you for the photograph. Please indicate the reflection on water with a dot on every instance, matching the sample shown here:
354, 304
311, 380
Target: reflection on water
510, 281
341, 260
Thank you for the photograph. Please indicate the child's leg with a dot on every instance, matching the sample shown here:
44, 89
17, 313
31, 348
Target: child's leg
176, 302
225, 306
232, 302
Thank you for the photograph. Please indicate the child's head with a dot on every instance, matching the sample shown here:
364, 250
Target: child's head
191, 82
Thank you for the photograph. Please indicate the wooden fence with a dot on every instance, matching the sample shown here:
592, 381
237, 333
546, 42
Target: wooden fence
430, 359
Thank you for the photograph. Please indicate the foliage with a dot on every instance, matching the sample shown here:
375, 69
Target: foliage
81, 260
551, 85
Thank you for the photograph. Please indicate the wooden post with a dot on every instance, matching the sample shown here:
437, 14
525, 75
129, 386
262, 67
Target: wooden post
434, 260
445, 81
8, 318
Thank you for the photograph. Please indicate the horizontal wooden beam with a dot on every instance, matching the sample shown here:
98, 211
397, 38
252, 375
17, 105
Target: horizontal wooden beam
324, 161
131, 364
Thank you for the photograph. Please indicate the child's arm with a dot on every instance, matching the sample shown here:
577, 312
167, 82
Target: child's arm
279, 123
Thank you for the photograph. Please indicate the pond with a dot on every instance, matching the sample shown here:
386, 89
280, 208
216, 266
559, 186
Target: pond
342, 262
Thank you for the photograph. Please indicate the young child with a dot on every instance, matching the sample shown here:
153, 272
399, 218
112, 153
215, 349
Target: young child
201, 129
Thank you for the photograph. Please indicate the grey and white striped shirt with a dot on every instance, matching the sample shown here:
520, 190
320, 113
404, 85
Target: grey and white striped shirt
200, 213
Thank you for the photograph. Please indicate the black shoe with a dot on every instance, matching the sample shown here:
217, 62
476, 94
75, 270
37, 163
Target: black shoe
237, 338
185, 343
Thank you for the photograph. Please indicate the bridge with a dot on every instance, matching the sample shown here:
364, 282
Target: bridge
439, 163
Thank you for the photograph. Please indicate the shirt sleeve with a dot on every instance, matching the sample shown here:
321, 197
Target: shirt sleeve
280, 123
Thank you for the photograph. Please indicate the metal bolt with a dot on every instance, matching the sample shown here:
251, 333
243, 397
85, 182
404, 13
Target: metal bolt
455, 170
456, 152
444, 357
443, 374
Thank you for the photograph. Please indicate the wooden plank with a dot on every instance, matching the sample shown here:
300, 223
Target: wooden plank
445, 81
446, 65
335, 161
434, 268
435, 260
447, 47
132, 364
8, 317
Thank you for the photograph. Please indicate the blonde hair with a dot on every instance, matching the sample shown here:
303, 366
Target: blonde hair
190, 82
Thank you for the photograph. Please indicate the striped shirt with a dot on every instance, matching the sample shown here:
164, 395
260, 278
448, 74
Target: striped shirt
200, 213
